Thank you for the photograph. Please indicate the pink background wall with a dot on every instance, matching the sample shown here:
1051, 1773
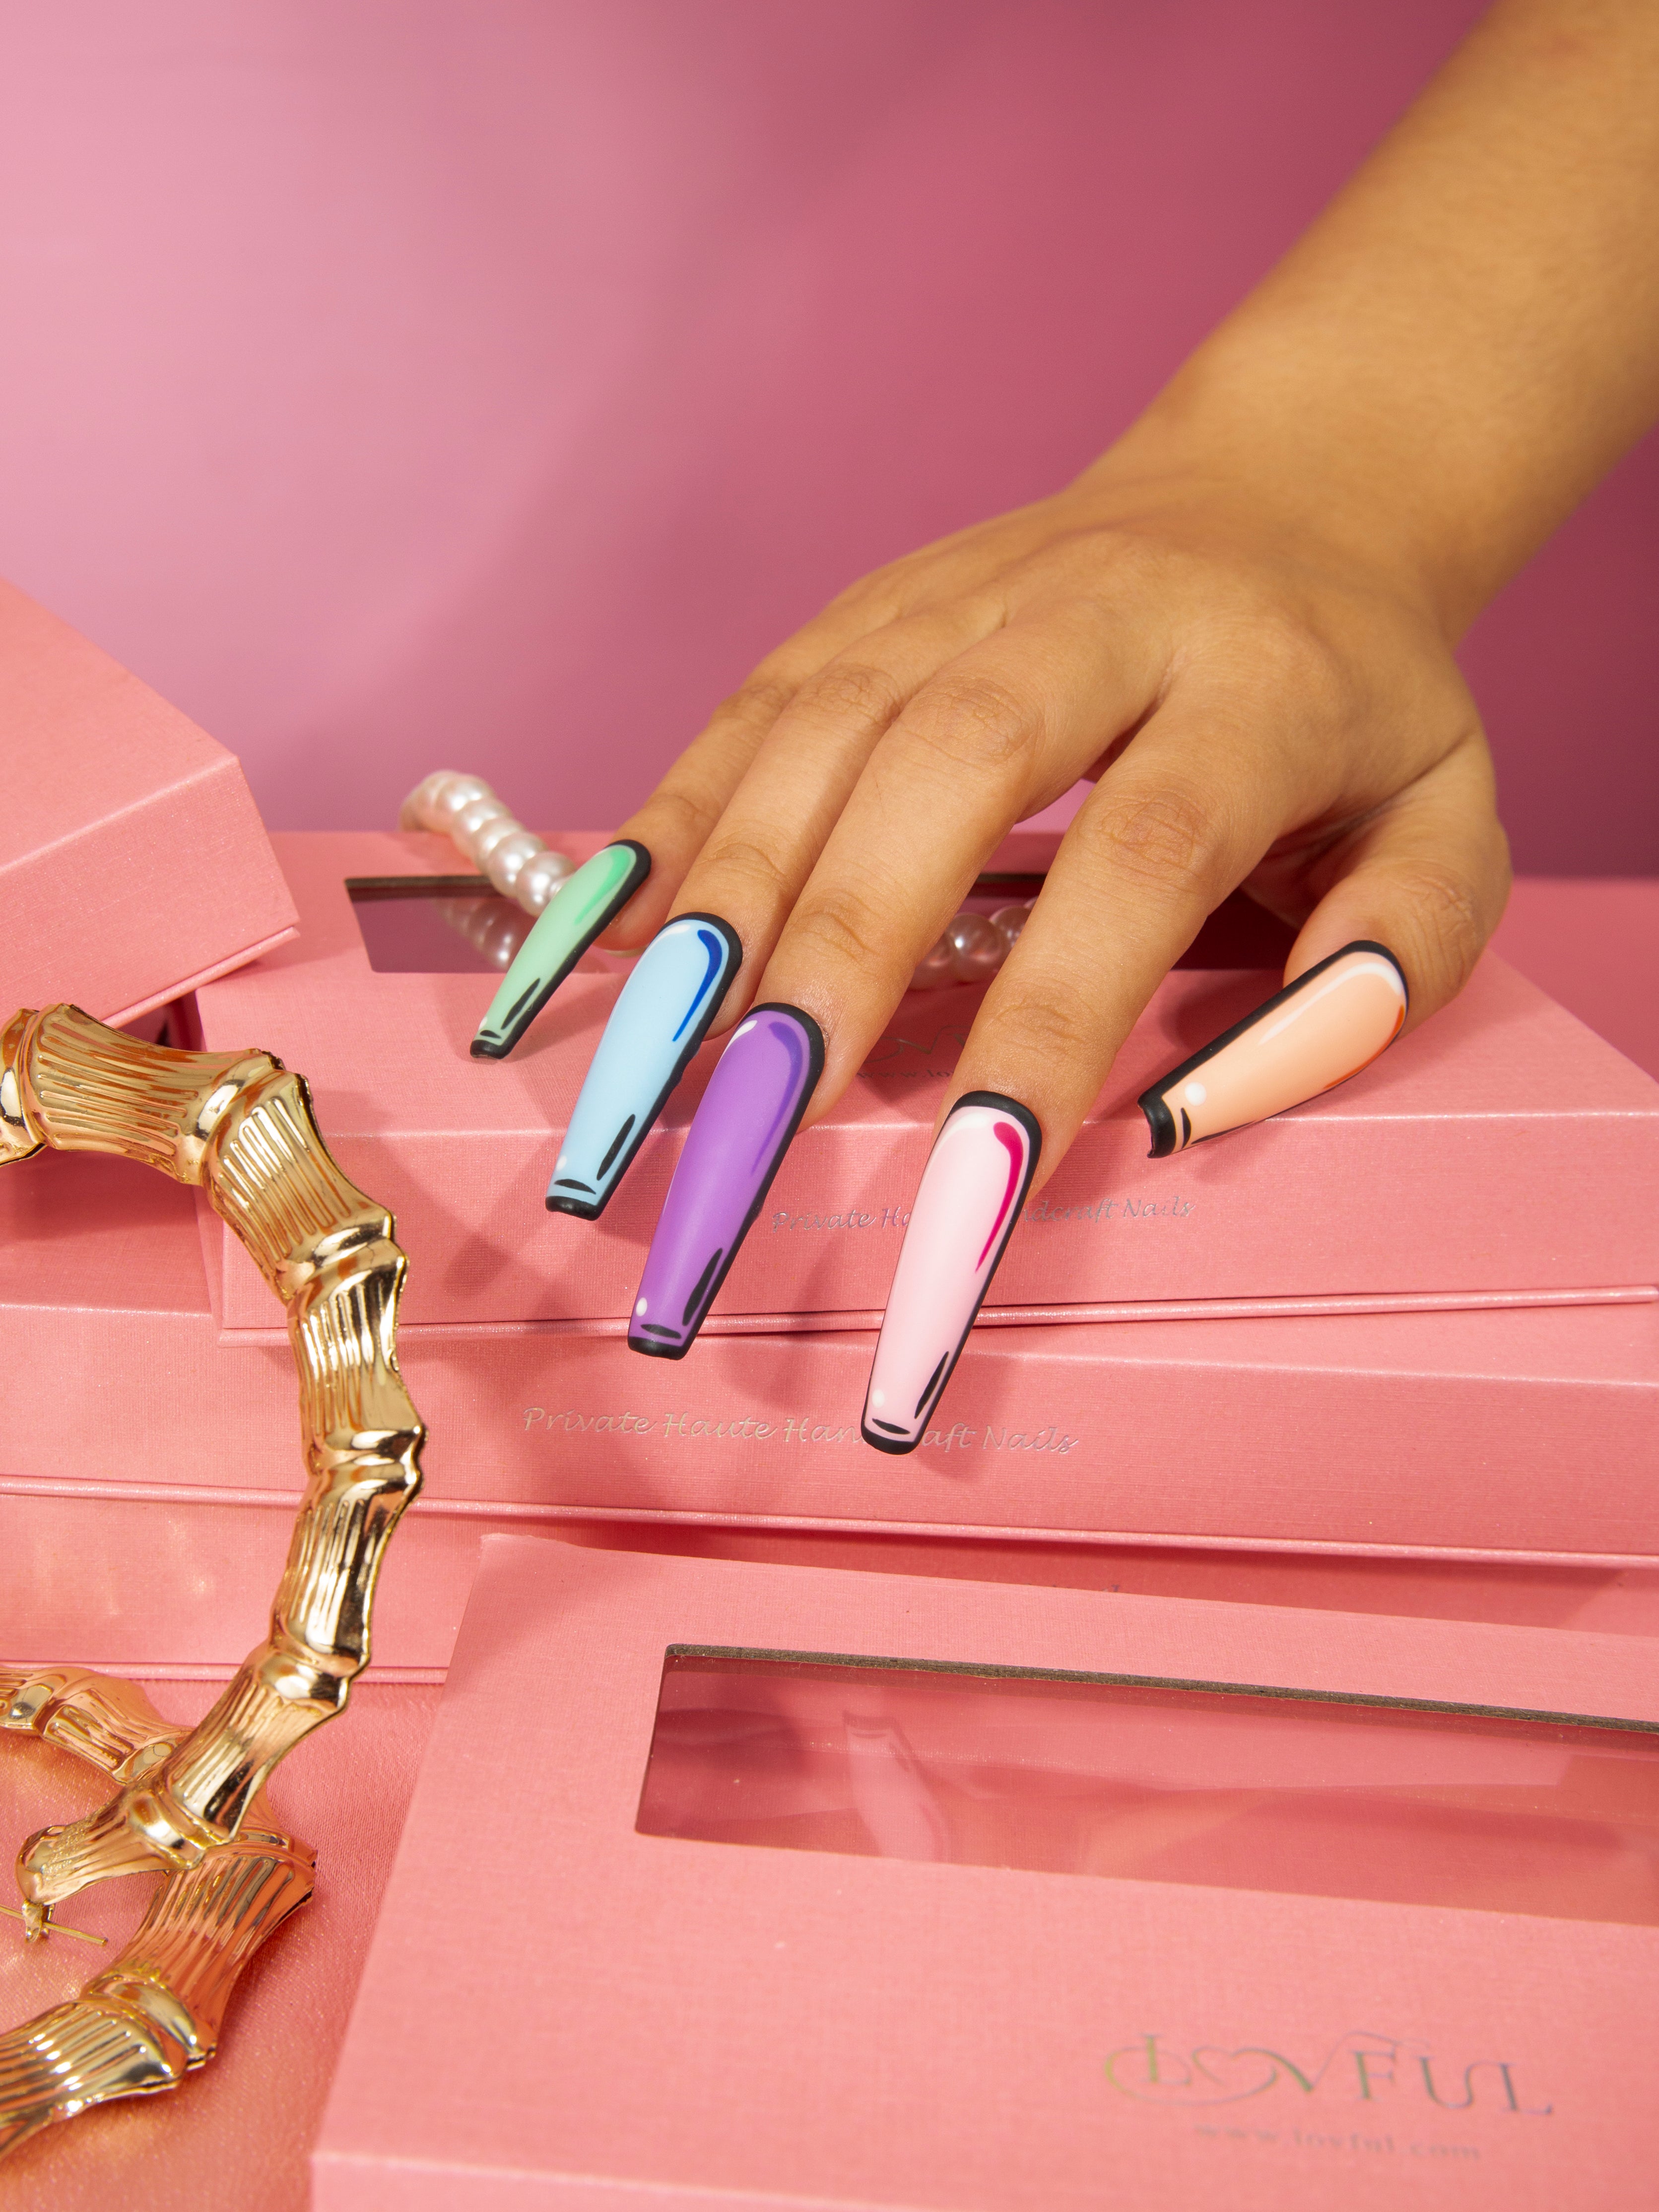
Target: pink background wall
397, 384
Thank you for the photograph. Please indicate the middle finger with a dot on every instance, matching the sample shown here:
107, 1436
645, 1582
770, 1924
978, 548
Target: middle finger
760, 851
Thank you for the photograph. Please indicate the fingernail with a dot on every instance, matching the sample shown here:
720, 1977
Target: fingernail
972, 1189
1307, 1038
655, 1026
583, 910
738, 1134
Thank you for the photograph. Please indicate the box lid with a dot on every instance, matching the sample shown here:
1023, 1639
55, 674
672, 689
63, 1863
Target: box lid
133, 862
1039, 1897
1518, 1434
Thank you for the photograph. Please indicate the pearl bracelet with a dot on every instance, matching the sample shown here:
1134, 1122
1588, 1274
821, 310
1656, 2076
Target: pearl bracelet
521, 867
463, 809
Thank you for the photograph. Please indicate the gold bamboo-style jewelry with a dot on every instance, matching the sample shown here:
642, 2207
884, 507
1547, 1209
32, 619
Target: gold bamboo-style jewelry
240, 1127
154, 2012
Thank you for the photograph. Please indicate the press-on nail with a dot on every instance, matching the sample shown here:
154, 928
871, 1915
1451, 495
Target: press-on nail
1307, 1038
972, 1190
656, 1026
738, 1134
584, 909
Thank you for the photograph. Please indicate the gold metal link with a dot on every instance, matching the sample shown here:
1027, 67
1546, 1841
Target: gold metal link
190, 1802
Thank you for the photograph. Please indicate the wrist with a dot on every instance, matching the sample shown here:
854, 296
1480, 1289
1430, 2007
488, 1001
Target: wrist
1254, 441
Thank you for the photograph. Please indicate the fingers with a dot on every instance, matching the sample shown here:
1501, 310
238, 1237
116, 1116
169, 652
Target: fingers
677, 818
1427, 875
997, 729
1419, 884
1414, 891
1170, 828
759, 855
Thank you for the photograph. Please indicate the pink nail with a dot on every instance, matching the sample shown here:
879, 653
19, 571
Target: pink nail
972, 1188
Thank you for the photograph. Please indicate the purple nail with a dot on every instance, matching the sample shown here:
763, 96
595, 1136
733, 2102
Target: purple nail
738, 1134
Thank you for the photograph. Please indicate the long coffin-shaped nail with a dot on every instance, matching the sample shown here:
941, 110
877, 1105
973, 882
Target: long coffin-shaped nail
586, 906
655, 1026
1311, 1035
972, 1189
738, 1134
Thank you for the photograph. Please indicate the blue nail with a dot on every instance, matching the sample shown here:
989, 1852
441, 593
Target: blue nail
655, 1026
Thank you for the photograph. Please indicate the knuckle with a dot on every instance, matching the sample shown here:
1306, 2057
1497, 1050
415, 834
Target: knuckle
843, 927
978, 721
1168, 837
686, 816
746, 869
1449, 920
756, 704
852, 691
1038, 1025
1287, 658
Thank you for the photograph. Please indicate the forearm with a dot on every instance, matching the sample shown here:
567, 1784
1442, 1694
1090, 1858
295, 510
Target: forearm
1468, 337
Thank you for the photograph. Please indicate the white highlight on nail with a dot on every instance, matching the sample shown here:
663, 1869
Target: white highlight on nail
1194, 1094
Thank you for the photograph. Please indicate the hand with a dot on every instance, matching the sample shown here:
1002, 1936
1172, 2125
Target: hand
1259, 703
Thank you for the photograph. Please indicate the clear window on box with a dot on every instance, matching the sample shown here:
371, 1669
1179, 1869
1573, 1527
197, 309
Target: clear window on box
1262, 1788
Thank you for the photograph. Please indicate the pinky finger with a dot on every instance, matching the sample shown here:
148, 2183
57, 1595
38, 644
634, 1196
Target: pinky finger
1418, 889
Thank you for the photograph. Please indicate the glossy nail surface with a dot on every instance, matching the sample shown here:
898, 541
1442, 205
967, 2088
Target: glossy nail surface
586, 905
738, 1134
655, 1026
1307, 1038
972, 1189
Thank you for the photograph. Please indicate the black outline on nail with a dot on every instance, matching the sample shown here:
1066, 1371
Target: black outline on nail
1159, 1119
815, 1071
591, 1209
899, 1446
499, 1042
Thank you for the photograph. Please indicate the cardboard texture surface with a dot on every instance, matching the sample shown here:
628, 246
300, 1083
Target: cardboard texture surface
1530, 1433
133, 864
685, 2023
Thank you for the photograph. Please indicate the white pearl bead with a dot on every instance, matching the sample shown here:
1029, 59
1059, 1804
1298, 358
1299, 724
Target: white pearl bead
484, 841
411, 815
976, 948
482, 826
538, 879
1009, 921
507, 861
933, 968
454, 795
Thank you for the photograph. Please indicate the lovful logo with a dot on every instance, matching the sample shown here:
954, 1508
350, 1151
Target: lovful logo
1359, 2068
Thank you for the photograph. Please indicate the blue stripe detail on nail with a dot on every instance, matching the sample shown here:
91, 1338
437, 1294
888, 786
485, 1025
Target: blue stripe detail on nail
716, 952
657, 1023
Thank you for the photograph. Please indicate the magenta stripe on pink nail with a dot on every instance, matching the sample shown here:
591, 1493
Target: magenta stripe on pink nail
1014, 1140
977, 1176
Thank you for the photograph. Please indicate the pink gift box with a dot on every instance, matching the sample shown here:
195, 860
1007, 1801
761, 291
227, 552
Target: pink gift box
1040, 1899
1502, 1151
133, 864
1531, 1434
158, 1582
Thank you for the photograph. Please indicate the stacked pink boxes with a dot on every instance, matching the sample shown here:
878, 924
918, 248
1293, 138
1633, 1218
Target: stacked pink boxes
1392, 1356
